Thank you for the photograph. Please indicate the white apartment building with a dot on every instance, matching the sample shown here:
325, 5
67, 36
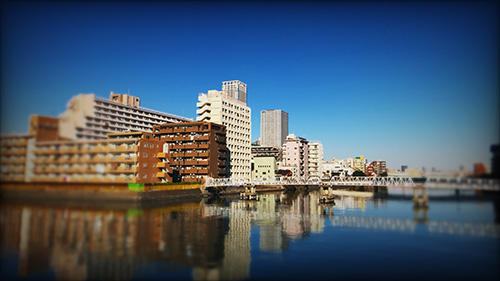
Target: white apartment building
315, 159
229, 108
90, 117
296, 154
273, 127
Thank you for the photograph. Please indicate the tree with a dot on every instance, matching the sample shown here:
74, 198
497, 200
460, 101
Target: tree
383, 174
358, 174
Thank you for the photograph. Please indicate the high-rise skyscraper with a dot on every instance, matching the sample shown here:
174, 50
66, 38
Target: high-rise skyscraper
273, 127
229, 108
235, 89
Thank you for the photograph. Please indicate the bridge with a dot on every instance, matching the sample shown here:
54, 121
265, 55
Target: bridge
403, 182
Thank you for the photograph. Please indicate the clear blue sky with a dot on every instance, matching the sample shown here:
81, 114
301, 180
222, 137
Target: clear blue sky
411, 83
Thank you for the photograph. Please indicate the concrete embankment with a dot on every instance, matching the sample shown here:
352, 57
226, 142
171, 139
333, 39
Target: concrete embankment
98, 192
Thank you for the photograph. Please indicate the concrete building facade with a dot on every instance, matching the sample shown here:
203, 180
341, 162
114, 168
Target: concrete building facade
123, 158
16, 157
264, 168
296, 154
266, 151
273, 127
90, 117
228, 108
315, 159
359, 163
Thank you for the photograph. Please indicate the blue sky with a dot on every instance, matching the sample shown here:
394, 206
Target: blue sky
411, 83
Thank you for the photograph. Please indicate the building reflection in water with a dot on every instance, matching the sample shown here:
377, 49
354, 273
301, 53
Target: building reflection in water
80, 244
213, 240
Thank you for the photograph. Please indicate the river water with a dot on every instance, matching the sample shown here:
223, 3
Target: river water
281, 236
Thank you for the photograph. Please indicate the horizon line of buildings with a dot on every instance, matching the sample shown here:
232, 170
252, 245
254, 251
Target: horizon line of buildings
116, 140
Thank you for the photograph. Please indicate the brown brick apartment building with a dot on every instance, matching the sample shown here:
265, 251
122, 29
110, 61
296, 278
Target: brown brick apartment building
192, 150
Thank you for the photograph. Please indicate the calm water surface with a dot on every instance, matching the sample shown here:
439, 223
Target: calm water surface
281, 236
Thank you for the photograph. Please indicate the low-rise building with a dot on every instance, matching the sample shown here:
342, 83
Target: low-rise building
377, 168
264, 168
122, 158
16, 154
359, 163
296, 154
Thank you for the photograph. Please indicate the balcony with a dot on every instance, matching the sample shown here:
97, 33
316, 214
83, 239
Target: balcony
190, 154
202, 171
202, 162
177, 163
190, 162
178, 154
186, 146
202, 138
192, 129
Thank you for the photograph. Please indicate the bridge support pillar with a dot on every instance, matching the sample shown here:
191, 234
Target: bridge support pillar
424, 210
420, 201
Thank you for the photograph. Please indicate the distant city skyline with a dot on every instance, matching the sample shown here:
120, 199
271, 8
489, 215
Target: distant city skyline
411, 83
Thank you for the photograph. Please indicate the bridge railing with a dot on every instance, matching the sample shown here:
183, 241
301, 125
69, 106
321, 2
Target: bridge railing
337, 181
432, 182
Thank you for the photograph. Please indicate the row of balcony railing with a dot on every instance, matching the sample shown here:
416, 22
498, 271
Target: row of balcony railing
189, 154
84, 178
145, 112
85, 159
13, 151
90, 150
14, 159
185, 138
13, 142
169, 130
84, 170
189, 162
17, 169
189, 146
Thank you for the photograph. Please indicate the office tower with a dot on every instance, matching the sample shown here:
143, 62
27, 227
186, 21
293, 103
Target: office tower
273, 127
91, 117
228, 108
296, 156
235, 89
315, 159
